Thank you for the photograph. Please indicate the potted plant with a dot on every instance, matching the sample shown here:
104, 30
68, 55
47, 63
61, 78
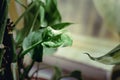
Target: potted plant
43, 30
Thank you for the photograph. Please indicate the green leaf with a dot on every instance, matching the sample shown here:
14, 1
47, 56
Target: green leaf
55, 38
37, 50
52, 15
49, 51
54, 42
33, 19
111, 58
32, 38
67, 41
57, 41
50, 33
60, 26
3, 17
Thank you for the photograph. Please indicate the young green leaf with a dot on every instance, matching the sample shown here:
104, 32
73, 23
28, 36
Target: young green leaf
52, 15
33, 19
60, 26
67, 41
111, 58
55, 38
54, 42
32, 45
50, 33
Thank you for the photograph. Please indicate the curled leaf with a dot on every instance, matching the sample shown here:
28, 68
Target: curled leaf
111, 58
55, 38
36, 51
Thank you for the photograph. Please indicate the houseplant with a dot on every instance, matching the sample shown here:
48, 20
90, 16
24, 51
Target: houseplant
42, 30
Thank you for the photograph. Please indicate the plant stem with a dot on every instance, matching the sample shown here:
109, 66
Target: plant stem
13, 64
21, 4
28, 49
27, 9
35, 19
1, 56
13, 49
3, 18
23, 14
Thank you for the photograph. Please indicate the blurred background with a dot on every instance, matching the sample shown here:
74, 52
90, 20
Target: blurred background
86, 17
90, 32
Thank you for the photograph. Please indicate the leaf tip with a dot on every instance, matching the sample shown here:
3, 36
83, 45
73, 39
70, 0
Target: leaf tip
90, 56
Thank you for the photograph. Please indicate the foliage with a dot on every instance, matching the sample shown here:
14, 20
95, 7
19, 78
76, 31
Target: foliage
42, 30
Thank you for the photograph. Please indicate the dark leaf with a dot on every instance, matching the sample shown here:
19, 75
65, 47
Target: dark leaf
54, 42
37, 53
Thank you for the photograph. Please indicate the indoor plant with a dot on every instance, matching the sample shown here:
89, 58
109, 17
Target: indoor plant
42, 30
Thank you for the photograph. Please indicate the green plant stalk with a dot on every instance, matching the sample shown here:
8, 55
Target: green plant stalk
17, 21
27, 9
1, 56
14, 65
13, 48
28, 49
33, 23
21, 4
3, 20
